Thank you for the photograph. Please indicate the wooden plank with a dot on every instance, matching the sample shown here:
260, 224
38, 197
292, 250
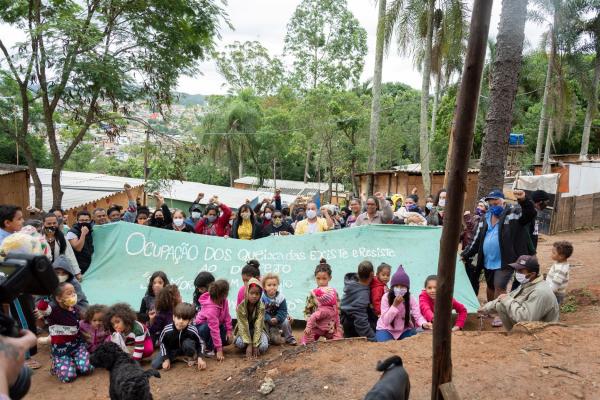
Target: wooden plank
596, 210
583, 211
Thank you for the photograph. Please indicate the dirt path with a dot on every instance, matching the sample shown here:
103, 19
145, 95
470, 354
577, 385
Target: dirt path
558, 362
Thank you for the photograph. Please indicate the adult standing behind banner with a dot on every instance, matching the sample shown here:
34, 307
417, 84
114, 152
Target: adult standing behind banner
540, 200
214, 224
378, 211
58, 244
161, 217
279, 226
355, 210
501, 237
313, 223
245, 226
195, 212
436, 215
80, 238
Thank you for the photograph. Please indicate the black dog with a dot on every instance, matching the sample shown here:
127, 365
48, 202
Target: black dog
128, 381
393, 384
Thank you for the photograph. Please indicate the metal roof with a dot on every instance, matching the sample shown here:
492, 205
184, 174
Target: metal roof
287, 184
6, 169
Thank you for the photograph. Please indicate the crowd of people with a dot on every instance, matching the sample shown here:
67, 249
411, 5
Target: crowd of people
498, 241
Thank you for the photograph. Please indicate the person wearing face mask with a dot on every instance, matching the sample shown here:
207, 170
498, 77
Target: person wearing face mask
195, 211
65, 273
245, 226
436, 214
501, 237
313, 223
59, 246
532, 301
267, 216
429, 201
60, 215
470, 223
161, 217
409, 213
80, 238
114, 213
214, 224
179, 224
279, 226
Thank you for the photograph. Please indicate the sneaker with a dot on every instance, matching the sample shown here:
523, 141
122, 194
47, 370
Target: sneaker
292, 342
209, 353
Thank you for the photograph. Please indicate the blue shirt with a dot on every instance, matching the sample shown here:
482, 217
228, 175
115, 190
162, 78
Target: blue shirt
3, 235
492, 258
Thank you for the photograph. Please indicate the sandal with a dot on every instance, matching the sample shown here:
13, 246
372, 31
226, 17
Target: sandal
33, 364
497, 322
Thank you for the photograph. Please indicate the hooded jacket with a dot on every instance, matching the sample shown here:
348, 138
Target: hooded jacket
355, 305
275, 307
427, 304
378, 289
220, 224
326, 318
214, 315
250, 326
63, 263
392, 317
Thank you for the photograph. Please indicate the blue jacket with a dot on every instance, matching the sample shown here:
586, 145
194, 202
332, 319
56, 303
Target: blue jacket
275, 307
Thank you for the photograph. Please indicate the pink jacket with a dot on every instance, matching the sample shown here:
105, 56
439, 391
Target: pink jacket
392, 318
426, 304
241, 295
93, 337
215, 315
327, 317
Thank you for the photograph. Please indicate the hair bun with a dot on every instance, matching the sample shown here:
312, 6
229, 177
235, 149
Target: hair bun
322, 261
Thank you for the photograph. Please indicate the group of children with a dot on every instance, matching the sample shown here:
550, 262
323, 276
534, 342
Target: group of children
377, 305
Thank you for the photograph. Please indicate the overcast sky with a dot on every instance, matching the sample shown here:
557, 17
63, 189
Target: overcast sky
266, 20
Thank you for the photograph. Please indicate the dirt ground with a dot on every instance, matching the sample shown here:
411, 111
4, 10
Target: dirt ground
558, 362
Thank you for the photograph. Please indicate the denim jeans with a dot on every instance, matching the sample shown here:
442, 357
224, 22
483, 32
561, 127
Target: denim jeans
383, 335
205, 335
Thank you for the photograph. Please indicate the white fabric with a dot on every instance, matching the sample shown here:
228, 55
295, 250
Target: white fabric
584, 179
71, 236
547, 182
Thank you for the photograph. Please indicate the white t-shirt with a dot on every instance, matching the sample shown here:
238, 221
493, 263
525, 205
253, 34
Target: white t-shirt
71, 235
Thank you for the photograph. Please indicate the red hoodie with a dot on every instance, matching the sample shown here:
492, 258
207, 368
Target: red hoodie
378, 289
427, 304
220, 224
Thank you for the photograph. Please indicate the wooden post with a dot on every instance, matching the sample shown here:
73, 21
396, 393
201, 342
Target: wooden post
462, 143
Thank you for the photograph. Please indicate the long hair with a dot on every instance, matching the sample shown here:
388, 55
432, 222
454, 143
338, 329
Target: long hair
243, 208
392, 296
167, 298
156, 274
59, 236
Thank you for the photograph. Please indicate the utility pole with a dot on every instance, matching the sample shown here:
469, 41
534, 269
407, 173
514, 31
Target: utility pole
462, 144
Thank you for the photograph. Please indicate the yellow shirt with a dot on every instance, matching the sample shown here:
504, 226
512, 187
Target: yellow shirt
245, 230
304, 227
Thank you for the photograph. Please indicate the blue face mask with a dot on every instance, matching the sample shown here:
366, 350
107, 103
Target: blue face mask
413, 207
496, 210
479, 211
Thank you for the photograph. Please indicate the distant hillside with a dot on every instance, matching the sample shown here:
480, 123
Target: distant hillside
189, 99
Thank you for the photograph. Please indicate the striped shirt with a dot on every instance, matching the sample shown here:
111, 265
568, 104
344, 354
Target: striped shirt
558, 277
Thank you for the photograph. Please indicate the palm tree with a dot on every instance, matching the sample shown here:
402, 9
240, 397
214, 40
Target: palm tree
376, 91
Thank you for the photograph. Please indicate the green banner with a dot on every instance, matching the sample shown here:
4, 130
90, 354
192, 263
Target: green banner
125, 255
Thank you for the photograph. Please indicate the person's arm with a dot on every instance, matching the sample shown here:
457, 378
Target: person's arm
131, 211
77, 243
461, 312
163, 349
282, 312
72, 259
228, 323
361, 320
528, 212
242, 326
376, 295
199, 225
277, 199
225, 214
387, 214
425, 306
488, 307
138, 346
143, 309
388, 312
167, 214
328, 218
12, 358
259, 325
559, 277
415, 312
215, 333
474, 246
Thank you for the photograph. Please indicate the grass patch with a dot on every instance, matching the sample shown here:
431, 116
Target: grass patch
570, 305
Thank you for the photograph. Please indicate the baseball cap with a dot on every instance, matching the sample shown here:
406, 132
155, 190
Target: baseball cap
528, 262
494, 195
539, 195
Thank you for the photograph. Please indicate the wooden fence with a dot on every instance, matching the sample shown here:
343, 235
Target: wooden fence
576, 212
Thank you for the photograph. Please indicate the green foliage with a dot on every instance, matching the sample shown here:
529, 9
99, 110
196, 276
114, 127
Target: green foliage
327, 44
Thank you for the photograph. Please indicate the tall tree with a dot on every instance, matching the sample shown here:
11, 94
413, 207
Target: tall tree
504, 83
376, 93
424, 116
95, 57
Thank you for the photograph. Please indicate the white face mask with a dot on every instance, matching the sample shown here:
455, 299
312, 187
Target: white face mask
268, 216
178, 222
196, 215
310, 214
429, 205
400, 291
442, 203
63, 278
521, 278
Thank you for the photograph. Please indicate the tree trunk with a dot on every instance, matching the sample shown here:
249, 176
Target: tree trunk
240, 162
376, 103
231, 157
546, 165
307, 162
57, 193
436, 99
544, 111
591, 109
503, 88
423, 121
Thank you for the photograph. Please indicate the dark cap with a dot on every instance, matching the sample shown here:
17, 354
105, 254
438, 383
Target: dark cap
494, 195
539, 195
526, 262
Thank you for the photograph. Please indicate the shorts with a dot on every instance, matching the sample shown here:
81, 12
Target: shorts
498, 278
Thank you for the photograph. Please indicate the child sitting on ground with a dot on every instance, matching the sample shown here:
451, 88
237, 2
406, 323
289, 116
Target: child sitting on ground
250, 329
166, 301
180, 338
400, 314
558, 276
201, 284
357, 315
92, 327
157, 281
250, 270
70, 356
379, 286
427, 303
126, 331
276, 314
213, 320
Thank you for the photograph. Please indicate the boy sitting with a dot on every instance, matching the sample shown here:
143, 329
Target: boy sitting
180, 339
357, 316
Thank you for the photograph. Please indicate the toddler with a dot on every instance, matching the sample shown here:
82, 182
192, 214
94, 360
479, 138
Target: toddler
201, 284
276, 314
325, 321
250, 329
70, 356
180, 338
92, 327
162, 316
157, 281
213, 320
126, 331
250, 270
558, 276
379, 286
427, 304
322, 277
400, 314
357, 316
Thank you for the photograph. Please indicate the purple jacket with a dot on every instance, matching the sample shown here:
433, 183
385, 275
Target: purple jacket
162, 319
93, 337
392, 318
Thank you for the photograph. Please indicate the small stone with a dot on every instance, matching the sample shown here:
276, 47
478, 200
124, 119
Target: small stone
531, 394
325, 387
267, 386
